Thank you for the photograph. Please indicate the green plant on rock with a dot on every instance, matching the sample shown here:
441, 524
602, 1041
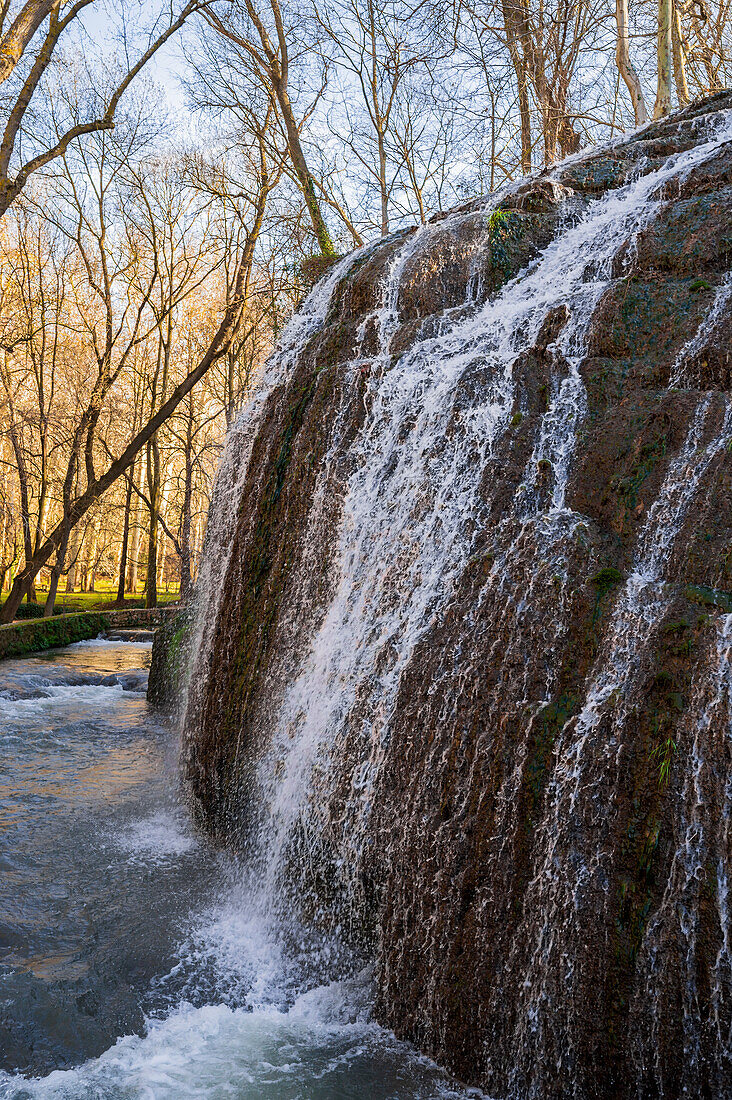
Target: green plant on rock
504, 228
636, 891
708, 597
676, 626
606, 578
629, 486
663, 754
498, 220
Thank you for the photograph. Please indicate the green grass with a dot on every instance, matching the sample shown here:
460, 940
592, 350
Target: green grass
101, 600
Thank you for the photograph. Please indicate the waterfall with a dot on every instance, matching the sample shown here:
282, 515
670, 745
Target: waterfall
440, 528
234, 465
702, 843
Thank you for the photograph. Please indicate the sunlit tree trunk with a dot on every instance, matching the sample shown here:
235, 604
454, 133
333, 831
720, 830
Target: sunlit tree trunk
664, 52
677, 38
87, 584
74, 548
153, 496
138, 475
56, 571
125, 540
625, 65
299, 163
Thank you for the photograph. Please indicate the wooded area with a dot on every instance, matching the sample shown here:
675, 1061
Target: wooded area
153, 241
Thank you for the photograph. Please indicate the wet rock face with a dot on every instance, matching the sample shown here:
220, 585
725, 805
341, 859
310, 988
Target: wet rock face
169, 664
469, 688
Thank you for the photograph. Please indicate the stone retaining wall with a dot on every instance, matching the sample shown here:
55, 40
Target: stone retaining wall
37, 634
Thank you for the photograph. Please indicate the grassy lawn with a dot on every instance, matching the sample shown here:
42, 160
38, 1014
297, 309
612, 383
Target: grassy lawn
101, 600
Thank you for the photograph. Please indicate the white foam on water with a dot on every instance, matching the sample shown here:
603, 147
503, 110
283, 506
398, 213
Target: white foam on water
61, 697
157, 838
321, 1042
315, 1049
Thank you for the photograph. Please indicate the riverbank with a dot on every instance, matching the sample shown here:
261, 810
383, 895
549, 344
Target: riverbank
34, 635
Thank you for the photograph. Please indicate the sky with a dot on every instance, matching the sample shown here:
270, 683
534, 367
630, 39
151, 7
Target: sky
164, 68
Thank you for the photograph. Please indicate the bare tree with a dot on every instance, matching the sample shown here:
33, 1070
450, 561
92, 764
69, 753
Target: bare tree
266, 52
17, 43
664, 50
379, 45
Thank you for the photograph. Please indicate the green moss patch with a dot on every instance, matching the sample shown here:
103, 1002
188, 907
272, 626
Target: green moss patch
709, 597
37, 634
606, 578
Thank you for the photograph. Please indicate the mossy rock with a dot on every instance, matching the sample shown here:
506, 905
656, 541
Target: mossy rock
606, 578
35, 635
709, 597
169, 665
313, 268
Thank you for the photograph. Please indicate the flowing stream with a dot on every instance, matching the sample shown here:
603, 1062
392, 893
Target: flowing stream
137, 962
131, 965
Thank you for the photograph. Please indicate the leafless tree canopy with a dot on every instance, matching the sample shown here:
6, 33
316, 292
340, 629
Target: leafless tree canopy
172, 175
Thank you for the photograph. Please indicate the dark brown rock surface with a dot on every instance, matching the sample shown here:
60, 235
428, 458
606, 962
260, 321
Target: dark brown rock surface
479, 605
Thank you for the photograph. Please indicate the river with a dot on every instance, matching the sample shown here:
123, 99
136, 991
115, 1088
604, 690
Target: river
132, 964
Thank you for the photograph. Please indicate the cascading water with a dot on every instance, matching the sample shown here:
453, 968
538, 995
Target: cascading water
235, 460
132, 958
460, 695
426, 683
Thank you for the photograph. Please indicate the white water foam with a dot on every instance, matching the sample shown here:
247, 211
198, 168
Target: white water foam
276, 1044
158, 838
315, 1049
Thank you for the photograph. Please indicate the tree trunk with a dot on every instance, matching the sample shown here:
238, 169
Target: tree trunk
383, 188
677, 38
302, 172
56, 572
151, 576
138, 475
74, 555
525, 113
88, 574
153, 486
25, 519
625, 65
125, 541
186, 580
664, 48
512, 24
21, 31
162, 537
